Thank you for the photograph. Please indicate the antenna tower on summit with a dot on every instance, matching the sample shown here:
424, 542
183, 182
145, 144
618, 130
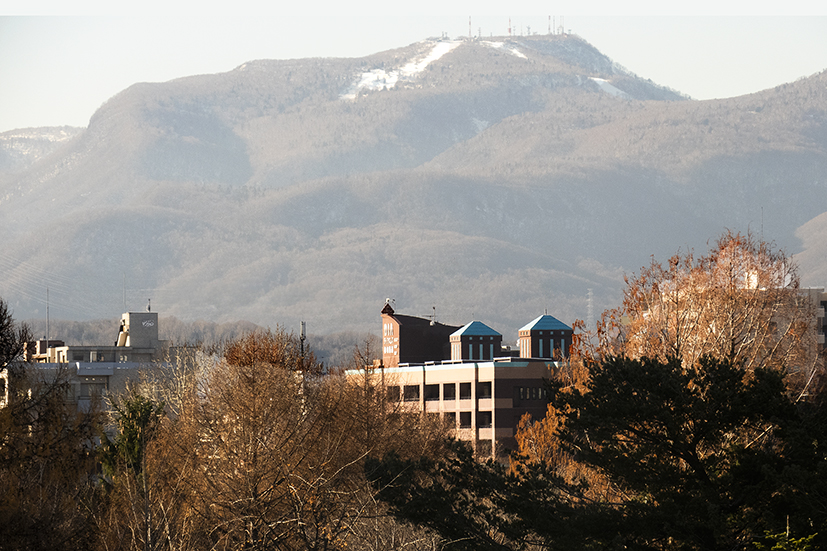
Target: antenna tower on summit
590, 310
509, 26
470, 34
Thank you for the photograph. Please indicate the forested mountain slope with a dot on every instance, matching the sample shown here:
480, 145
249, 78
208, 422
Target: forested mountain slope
489, 178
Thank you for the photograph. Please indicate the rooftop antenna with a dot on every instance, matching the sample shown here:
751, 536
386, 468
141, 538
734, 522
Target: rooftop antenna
48, 336
590, 310
124, 291
433, 317
149, 305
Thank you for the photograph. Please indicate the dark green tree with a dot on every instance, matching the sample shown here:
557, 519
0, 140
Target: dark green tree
132, 519
486, 506
693, 452
703, 458
136, 418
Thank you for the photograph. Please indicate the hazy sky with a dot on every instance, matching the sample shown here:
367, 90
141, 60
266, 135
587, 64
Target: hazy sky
57, 70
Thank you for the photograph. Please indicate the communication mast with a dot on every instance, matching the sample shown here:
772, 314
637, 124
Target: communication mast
509, 26
302, 336
590, 310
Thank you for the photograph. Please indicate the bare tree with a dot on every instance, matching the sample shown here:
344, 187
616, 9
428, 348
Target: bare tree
741, 302
13, 337
47, 463
275, 450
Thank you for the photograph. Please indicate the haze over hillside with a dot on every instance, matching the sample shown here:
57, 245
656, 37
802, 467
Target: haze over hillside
492, 179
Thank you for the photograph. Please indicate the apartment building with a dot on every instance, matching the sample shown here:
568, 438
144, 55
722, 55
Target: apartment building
467, 377
482, 400
136, 342
92, 371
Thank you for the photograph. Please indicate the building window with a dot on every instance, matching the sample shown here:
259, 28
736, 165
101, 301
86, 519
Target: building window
449, 391
465, 419
484, 390
450, 420
484, 419
77, 357
470, 351
411, 393
465, 391
431, 392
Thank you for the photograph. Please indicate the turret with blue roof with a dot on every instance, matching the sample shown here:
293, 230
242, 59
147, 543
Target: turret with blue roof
475, 341
545, 337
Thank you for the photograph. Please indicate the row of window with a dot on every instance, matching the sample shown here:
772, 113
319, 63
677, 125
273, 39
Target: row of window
484, 419
531, 393
96, 356
456, 351
431, 393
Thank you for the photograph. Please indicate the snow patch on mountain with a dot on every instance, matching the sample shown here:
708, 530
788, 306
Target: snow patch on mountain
480, 124
22, 147
608, 88
380, 79
506, 47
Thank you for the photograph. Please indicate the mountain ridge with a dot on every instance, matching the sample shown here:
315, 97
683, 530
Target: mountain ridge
488, 184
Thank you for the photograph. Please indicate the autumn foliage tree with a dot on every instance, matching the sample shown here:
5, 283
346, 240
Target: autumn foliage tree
702, 458
739, 306
741, 302
47, 460
265, 451
276, 348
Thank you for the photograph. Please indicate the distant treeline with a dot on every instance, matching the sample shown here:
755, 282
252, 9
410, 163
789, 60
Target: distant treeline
333, 350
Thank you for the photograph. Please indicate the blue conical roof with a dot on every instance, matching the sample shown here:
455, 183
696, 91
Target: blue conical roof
546, 323
475, 328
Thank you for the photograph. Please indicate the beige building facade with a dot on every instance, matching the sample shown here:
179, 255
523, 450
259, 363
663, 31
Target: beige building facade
481, 402
93, 371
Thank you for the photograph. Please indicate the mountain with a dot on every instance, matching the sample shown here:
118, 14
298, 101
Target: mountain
19, 149
490, 179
